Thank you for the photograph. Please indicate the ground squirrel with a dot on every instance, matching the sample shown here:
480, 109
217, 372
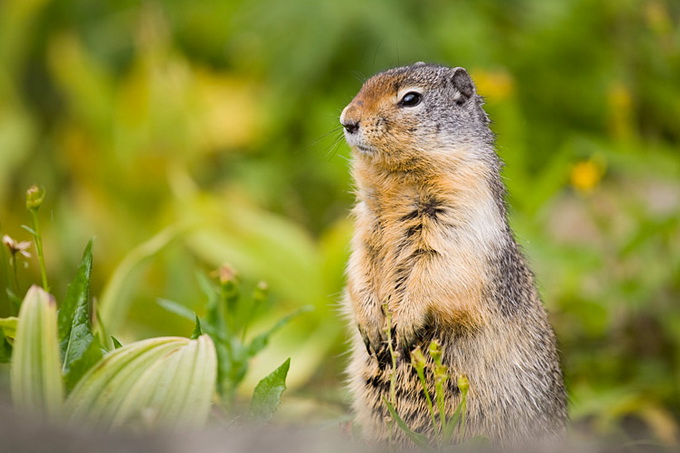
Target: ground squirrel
433, 250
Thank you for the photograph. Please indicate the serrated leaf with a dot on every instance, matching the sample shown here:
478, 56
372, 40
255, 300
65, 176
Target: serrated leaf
260, 342
36, 381
267, 394
75, 328
197, 329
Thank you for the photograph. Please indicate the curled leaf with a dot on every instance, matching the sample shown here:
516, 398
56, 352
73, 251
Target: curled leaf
35, 373
167, 381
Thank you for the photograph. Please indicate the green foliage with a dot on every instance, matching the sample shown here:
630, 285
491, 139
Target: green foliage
59, 368
8, 327
267, 394
35, 372
418, 439
74, 322
167, 381
444, 426
229, 315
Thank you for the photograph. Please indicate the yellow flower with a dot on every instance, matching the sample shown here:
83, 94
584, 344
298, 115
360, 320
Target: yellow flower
586, 175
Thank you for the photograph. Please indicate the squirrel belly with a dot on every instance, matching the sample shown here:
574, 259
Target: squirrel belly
433, 258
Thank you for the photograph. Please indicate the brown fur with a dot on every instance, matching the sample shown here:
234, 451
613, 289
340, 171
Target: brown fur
432, 246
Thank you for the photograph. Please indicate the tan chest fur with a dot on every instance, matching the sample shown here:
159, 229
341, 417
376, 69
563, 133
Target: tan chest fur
420, 248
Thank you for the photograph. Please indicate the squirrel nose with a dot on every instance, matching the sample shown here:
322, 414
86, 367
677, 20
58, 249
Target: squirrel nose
351, 126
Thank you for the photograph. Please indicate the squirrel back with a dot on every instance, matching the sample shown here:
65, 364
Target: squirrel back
433, 258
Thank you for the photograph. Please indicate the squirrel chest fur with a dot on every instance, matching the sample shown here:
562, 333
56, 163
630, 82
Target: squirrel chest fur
433, 258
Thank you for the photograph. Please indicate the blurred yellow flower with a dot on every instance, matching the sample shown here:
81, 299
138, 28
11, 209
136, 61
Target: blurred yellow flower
494, 85
586, 175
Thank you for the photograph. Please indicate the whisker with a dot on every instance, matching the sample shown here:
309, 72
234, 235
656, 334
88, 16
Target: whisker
334, 146
359, 76
375, 54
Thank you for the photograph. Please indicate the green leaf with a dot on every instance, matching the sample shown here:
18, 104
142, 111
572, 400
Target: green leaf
197, 330
82, 364
115, 297
267, 393
29, 229
75, 328
176, 308
166, 380
14, 299
5, 349
8, 326
116, 344
417, 438
35, 374
260, 342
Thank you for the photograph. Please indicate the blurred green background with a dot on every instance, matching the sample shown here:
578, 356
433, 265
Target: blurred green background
185, 134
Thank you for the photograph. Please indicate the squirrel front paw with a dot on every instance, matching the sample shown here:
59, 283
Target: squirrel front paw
396, 337
412, 329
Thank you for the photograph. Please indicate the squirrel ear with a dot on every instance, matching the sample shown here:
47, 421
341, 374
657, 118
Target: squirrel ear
463, 84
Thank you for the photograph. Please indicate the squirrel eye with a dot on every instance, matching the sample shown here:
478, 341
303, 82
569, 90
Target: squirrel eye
411, 99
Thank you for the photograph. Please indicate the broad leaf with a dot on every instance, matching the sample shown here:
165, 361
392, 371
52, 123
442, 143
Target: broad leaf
75, 329
161, 381
267, 393
9, 326
82, 364
36, 381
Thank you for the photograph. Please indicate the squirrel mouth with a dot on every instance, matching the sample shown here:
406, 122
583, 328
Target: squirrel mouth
358, 142
365, 149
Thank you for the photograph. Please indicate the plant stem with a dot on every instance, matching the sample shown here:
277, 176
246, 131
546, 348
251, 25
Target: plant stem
39, 248
393, 373
418, 362
393, 356
14, 282
439, 396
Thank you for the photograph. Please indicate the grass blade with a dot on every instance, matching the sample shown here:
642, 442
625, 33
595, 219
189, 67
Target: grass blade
417, 438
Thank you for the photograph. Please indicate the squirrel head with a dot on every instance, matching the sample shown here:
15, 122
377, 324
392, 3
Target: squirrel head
410, 116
